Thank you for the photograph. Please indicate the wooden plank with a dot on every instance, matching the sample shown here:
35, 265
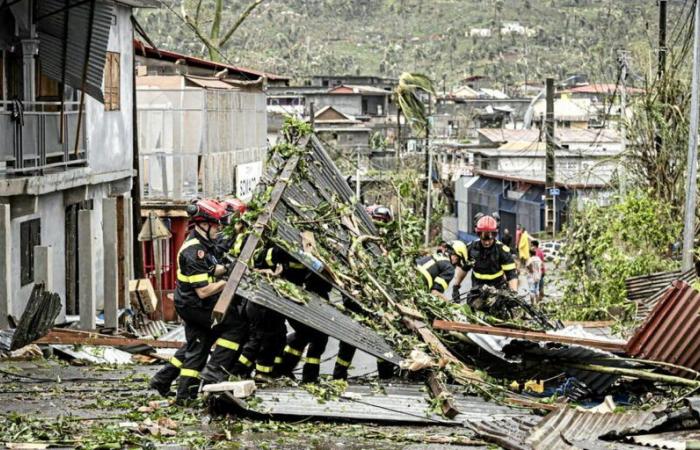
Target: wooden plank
528, 335
253, 239
590, 324
439, 390
77, 337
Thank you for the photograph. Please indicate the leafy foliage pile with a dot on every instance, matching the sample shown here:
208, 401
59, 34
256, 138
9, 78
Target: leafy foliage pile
605, 245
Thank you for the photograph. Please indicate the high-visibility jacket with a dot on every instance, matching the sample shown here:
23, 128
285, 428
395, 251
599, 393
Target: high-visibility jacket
196, 262
437, 270
491, 265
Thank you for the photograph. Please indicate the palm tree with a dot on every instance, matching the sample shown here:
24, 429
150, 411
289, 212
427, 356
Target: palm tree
409, 102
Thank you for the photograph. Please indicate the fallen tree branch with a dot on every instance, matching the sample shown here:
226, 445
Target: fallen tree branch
636, 373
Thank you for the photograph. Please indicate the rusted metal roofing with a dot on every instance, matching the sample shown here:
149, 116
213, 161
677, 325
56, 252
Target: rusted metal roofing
561, 427
646, 305
644, 286
671, 332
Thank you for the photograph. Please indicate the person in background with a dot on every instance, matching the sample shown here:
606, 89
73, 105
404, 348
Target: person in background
540, 254
524, 246
534, 273
507, 238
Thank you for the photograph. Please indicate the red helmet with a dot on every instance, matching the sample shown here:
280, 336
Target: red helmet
486, 224
206, 210
236, 206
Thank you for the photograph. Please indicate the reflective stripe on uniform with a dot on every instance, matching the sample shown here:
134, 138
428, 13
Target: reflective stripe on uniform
488, 276
245, 361
278, 360
308, 360
268, 258
237, 245
423, 269
296, 265
342, 362
510, 266
175, 362
441, 282
292, 351
263, 369
225, 343
189, 373
198, 278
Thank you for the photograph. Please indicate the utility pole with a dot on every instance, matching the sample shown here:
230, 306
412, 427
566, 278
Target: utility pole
692, 182
550, 173
622, 126
429, 171
662, 38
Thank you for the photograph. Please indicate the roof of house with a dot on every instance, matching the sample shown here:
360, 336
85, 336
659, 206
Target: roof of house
328, 114
564, 135
143, 49
600, 88
565, 109
358, 89
573, 183
537, 149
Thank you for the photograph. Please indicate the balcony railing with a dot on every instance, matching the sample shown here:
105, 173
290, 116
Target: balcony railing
31, 140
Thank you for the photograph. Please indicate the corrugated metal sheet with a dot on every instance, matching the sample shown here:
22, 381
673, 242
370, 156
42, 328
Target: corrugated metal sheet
403, 403
509, 432
54, 33
644, 286
671, 332
38, 317
646, 305
321, 316
565, 425
671, 440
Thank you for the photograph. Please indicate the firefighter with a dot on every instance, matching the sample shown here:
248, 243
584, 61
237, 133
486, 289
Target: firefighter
438, 269
303, 335
198, 290
381, 215
233, 331
196, 293
490, 261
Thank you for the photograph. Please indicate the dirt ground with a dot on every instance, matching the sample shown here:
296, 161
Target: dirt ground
49, 401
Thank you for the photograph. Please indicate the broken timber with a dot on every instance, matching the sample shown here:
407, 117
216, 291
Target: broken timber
251, 242
77, 337
613, 347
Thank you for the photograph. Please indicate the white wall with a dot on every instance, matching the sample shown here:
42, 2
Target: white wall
109, 133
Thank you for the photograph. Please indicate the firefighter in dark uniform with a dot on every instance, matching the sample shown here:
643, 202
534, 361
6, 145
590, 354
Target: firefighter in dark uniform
490, 261
437, 270
208, 214
302, 336
234, 329
381, 215
197, 291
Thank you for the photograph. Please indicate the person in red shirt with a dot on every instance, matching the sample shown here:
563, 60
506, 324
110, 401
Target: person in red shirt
540, 254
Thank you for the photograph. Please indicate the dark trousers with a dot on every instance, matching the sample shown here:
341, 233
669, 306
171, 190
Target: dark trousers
232, 334
296, 342
200, 337
265, 341
342, 363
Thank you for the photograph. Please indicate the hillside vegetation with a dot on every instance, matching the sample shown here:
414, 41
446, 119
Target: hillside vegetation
386, 37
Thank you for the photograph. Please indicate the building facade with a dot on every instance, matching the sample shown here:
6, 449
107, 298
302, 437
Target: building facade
66, 155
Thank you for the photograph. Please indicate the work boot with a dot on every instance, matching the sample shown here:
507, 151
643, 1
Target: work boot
263, 378
163, 379
212, 376
187, 390
287, 366
310, 373
340, 372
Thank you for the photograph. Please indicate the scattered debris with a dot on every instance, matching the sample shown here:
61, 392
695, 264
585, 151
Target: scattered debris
86, 354
238, 389
38, 317
78, 337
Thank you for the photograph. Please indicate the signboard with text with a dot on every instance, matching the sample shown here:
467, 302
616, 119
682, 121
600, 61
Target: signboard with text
247, 177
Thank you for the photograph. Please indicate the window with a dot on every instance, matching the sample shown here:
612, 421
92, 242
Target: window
111, 82
29, 237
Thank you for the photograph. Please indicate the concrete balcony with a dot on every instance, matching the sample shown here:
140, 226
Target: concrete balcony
31, 141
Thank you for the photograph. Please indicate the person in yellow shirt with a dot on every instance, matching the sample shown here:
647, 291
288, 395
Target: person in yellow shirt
524, 246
